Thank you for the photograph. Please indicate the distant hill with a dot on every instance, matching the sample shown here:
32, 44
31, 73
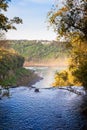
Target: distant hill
40, 50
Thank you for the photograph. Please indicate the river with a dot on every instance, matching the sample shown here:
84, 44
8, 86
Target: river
49, 109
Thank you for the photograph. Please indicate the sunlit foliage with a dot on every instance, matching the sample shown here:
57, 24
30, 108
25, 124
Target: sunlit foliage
70, 18
71, 21
41, 50
9, 62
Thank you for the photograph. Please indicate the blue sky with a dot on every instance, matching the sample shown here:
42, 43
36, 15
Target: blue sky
33, 13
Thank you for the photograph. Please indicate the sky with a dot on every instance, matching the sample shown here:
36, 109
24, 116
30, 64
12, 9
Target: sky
33, 14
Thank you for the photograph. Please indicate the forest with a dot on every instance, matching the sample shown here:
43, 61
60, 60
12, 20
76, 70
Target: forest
41, 51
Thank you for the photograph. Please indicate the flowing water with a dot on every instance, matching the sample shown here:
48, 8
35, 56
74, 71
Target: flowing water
49, 109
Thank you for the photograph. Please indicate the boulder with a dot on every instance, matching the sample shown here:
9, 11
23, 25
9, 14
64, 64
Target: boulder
36, 90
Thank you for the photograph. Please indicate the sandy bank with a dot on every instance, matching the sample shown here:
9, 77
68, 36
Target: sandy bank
60, 63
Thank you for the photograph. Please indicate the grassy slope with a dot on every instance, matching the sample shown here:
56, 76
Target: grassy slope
12, 72
21, 77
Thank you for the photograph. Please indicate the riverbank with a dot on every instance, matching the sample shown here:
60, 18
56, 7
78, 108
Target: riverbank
21, 77
27, 78
50, 63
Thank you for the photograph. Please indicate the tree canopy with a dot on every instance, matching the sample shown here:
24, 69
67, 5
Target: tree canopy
70, 18
71, 21
5, 22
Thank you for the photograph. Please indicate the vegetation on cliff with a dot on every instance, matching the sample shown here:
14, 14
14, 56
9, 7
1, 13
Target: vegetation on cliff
10, 61
41, 51
12, 72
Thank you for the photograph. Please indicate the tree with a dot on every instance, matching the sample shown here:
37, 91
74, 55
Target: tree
5, 22
71, 18
10, 60
71, 21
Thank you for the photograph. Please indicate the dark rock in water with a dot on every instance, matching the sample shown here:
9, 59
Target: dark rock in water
84, 111
36, 90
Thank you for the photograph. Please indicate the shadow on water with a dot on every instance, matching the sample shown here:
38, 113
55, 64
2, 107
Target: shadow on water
82, 110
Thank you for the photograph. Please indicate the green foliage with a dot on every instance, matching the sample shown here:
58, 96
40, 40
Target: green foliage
39, 51
78, 63
61, 79
77, 71
6, 23
71, 21
9, 81
9, 62
22, 71
70, 18
20, 76
66, 78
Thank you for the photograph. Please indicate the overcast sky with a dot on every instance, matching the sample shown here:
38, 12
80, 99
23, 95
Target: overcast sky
33, 13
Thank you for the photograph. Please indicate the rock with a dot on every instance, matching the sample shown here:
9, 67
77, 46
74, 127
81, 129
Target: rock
36, 90
84, 111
